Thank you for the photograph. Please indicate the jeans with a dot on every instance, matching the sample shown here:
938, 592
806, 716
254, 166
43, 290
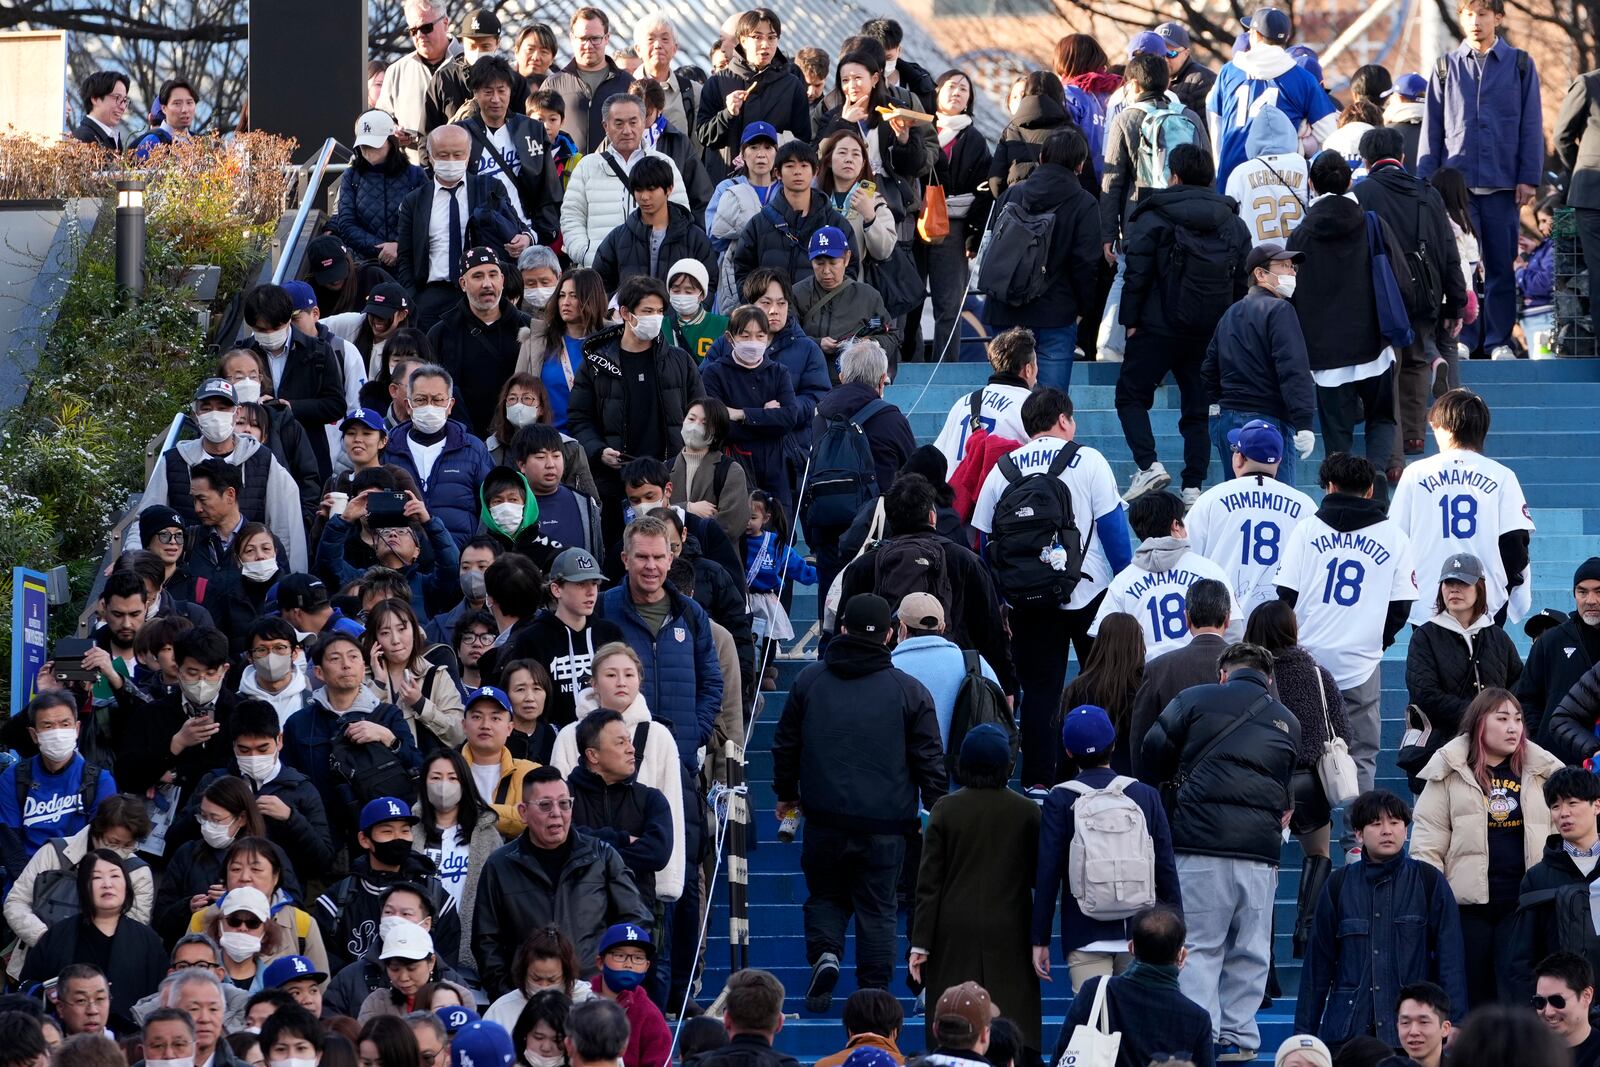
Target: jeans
852, 874
1056, 346
1371, 402
1227, 904
1361, 708
1495, 220
1113, 335
1145, 365
1039, 640
1232, 420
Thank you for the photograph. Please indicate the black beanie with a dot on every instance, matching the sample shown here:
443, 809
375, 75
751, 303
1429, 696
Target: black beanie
158, 517
1588, 571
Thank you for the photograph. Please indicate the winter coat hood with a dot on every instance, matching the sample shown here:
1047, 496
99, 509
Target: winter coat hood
637, 712
1263, 62
1161, 554
365, 701
1049, 185
530, 506
1040, 113
857, 655
1334, 218
1271, 134
1346, 512
1445, 620
1195, 207
1399, 110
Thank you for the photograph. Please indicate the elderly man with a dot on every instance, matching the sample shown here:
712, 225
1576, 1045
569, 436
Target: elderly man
405, 84
198, 952
199, 993
169, 1036
597, 199
591, 79
655, 42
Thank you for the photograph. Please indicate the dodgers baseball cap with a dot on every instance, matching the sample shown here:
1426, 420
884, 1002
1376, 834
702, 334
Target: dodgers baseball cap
385, 809
1272, 24
290, 969
758, 131
576, 565
374, 128
489, 692
386, 299
215, 389
1409, 86
1305, 57
1147, 44
627, 934
1462, 567
1174, 34
454, 1017
828, 241
364, 417
301, 296
1259, 440
328, 259
481, 1044
480, 23
1086, 730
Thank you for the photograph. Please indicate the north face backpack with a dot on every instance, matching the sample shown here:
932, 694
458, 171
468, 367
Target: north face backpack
1161, 130
843, 475
1015, 266
913, 564
370, 770
1035, 548
1197, 278
1111, 864
978, 701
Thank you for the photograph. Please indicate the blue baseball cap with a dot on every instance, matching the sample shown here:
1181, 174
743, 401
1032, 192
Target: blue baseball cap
1147, 43
1305, 57
1258, 440
301, 295
828, 241
290, 969
385, 809
1270, 23
454, 1017
627, 934
364, 417
1087, 731
756, 131
489, 692
1409, 86
481, 1044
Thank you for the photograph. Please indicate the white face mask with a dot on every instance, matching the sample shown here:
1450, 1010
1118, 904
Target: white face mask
215, 426
647, 327
694, 435
275, 668
292, 1061
273, 340
685, 304
258, 768
1285, 284
537, 298
58, 745
247, 390
217, 834
449, 171
888, 67
429, 419
239, 946
533, 1059
522, 414
259, 570
186, 1061
202, 692
444, 795
507, 516
749, 353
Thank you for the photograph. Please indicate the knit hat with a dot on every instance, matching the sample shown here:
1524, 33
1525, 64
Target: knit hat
158, 517
1309, 1047
1588, 571
694, 269
986, 748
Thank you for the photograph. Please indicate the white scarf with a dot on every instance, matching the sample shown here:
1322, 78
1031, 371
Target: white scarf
950, 126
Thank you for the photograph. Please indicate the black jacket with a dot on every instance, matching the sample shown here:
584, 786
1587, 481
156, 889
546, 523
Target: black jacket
678, 146
537, 179
918, 81
625, 251
348, 912
289, 442
1446, 668
1017, 151
1231, 803
1572, 726
1075, 256
1155, 1018
746, 1050
449, 91
515, 895
1337, 310
1415, 213
597, 409
966, 170
762, 244
313, 383
89, 132
1147, 238
1257, 360
137, 964
479, 356
144, 733
777, 95
858, 741
1537, 932
193, 868
584, 109
567, 654
351, 985
303, 837
487, 210
1166, 676
1552, 671
1192, 84
631, 817
888, 432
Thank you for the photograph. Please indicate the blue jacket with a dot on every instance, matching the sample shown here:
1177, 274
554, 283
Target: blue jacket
432, 576
1155, 1019
1055, 839
53, 808
1379, 926
940, 665
451, 488
808, 370
1536, 279
765, 436
764, 560
1257, 361
1489, 126
308, 743
369, 203
682, 683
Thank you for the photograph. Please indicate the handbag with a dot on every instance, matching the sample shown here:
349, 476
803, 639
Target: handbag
1093, 1044
1336, 768
896, 280
1394, 318
933, 225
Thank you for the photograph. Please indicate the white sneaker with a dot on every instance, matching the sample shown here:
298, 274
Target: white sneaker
1191, 497
1103, 354
1502, 352
1152, 477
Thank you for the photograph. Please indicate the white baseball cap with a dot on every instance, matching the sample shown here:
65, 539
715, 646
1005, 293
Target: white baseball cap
246, 898
373, 128
406, 941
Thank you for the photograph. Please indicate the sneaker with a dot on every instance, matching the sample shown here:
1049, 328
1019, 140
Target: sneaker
1151, 478
1231, 1053
1107, 355
1036, 793
1502, 352
824, 976
1191, 496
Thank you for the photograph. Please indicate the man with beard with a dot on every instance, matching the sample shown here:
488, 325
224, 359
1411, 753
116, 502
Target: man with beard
1562, 654
476, 341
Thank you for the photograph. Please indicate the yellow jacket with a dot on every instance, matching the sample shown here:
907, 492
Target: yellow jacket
508, 794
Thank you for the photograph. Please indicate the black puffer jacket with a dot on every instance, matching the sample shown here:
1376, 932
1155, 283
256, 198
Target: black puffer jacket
1447, 666
1552, 671
597, 411
1538, 930
631, 817
1232, 803
1017, 152
762, 244
625, 251
1573, 727
479, 356
1297, 677
1147, 239
1074, 249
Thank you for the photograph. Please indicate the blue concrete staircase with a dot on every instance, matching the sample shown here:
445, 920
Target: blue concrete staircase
1544, 426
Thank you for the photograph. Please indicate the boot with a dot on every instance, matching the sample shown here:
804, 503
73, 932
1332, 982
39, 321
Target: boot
1314, 871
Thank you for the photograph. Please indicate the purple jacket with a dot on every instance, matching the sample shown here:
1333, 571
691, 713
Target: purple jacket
1489, 127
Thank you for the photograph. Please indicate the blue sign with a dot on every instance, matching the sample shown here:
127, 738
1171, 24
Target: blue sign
30, 633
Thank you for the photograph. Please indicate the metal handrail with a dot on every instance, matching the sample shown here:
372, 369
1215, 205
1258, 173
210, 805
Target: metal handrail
324, 155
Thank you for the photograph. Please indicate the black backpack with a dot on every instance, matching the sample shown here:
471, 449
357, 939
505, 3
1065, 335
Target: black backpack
1197, 278
843, 475
370, 770
914, 564
1015, 268
55, 892
1035, 548
978, 701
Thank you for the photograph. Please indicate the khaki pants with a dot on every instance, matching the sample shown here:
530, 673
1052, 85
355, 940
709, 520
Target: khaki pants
1082, 966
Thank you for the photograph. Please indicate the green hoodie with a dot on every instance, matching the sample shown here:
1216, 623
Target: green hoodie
530, 506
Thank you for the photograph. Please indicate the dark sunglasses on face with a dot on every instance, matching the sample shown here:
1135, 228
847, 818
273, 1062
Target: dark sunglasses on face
422, 29
244, 921
1555, 1000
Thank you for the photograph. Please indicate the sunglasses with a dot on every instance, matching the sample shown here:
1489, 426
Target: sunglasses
422, 29
1555, 1000
244, 920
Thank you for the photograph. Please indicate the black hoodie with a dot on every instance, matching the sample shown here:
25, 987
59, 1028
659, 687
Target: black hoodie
1347, 512
348, 912
1415, 212
567, 653
1017, 152
859, 741
1075, 259
1338, 312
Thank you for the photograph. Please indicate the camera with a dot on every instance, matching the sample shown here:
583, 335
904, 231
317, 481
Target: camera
386, 509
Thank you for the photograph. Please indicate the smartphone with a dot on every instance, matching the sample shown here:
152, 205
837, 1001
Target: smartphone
869, 187
386, 509
67, 660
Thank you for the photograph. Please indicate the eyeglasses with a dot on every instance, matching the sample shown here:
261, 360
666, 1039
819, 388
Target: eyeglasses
422, 29
119, 98
629, 959
1555, 1000
762, 38
592, 39
170, 537
279, 648
478, 639
545, 807
193, 965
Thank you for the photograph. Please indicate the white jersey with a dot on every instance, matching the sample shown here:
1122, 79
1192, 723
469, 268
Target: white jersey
1094, 493
1160, 601
1239, 525
1460, 501
1001, 414
1273, 192
1345, 581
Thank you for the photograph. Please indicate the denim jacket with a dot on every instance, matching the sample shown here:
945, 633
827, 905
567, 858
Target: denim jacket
1487, 125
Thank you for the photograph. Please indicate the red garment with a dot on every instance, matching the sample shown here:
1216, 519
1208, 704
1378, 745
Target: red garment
649, 1040
1101, 83
984, 450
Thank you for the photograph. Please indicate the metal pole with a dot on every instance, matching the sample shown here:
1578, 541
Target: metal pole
130, 236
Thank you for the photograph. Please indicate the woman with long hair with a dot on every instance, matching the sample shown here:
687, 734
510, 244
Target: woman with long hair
406, 675
524, 400
457, 832
1451, 185
545, 962
706, 481
255, 555
387, 1041
846, 178
898, 150
226, 811
962, 169
1109, 679
1086, 85
370, 195
1482, 820
553, 349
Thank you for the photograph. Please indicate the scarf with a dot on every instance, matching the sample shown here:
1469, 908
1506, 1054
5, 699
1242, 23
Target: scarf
1152, 975
950, 126
1098, 82
653, 131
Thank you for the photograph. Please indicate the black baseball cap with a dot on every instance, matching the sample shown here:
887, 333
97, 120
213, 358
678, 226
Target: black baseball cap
1273, 25
866, 613
303, 591
328, 259
387, 298
480, 23
1270, 252
480, 256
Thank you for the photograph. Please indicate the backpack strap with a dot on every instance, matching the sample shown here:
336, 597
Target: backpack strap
641, 737
1441, 71
778, 222
1077, 787
969, 656
88, 789
1008, 469
975, 409
719, 475
24, 785
1119, 785
871, 408
1064, 458
1226, 732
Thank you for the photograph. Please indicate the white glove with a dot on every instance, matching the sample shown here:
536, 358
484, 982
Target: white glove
1304, 442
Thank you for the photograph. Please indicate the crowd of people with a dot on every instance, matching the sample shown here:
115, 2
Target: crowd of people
414, 688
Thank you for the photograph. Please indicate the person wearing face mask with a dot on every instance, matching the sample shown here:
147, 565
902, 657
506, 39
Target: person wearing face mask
509, 513
33, 903
306, 373
765, 417
539, 1027
439, 453
257, 863
277, 672
443, 627
720, 489
245, 369
196, 875
626, 953
457, 831
540, 268
350, 910
292, 1037
242, 924
181, 733
569, 514
694, 329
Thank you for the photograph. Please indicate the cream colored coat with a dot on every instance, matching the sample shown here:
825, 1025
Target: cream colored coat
1450, 827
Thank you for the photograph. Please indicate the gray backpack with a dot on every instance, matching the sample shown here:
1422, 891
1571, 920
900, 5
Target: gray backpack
1111, 863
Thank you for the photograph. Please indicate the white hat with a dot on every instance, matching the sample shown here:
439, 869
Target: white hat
694, 269
373, 128
406, 941
246, 898
1312, 1048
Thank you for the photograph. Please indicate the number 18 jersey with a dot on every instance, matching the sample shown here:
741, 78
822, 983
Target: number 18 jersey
1345, 580
1240, 525
1160, 601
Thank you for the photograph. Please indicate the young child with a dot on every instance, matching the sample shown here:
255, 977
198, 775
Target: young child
769, 560
550, 109
1536, 285
528, 685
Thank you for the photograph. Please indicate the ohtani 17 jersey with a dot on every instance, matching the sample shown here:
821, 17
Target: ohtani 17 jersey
1461, 501
1240, 525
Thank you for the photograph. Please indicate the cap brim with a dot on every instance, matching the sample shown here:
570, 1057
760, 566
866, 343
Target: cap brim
335, 273
370, 140
1460, 576
1291, 257
383, 311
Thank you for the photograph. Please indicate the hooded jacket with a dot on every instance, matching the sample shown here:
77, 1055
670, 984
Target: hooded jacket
1256, 360
1406, 116
349, 911
1075, 257
308, 743
1273, 184
762, 244
568, 654
597, 410
451, 488
765, 437
370, 199
1538, 931
1119, 181
524, 537
1017, 152
480, 356
1243, 81
656, 766
777, 95
625, 251
293, 697
1415, 213
682, 682
1147, 240
1448, 664
858, 742
597, 201
1336, 307
1558, 660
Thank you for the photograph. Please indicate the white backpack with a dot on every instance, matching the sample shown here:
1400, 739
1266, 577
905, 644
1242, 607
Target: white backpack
1111, 864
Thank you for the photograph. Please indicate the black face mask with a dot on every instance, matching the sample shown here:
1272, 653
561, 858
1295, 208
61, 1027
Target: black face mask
391, 853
